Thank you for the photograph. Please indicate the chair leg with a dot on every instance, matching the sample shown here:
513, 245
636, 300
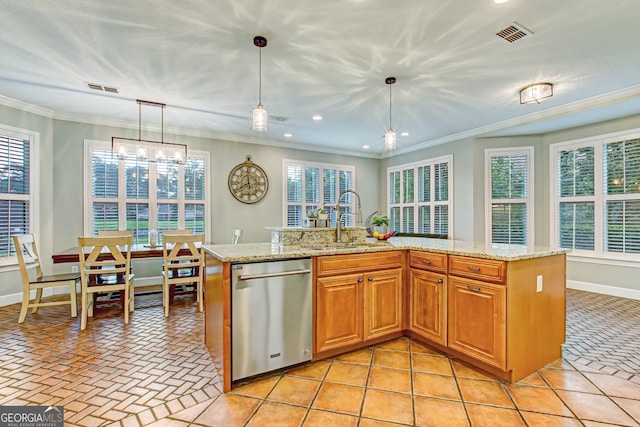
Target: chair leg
83, 317
73, 298
25, 305
37, 300
200, 296
132, 296
165, 298
125, 305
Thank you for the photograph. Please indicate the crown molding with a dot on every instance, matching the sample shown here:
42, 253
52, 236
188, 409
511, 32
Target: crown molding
25, 106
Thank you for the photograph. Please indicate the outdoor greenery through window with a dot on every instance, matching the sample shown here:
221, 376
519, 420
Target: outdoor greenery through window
597, 201
509, 217
16, 190
419, 197
313, 186
141, 195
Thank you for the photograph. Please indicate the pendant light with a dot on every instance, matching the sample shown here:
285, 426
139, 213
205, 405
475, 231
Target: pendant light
259, 113
390, 136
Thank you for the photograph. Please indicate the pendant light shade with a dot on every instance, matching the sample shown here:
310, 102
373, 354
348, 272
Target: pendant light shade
536, 93
259, 113
390, 140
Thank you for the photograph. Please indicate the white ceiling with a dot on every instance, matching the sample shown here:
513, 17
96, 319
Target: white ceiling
455, 77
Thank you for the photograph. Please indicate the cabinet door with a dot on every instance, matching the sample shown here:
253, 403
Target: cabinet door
382, 302
428, 305
477, 320
338, 311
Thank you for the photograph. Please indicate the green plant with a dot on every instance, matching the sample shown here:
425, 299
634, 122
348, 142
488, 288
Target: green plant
322, 211
380, 220
312, 213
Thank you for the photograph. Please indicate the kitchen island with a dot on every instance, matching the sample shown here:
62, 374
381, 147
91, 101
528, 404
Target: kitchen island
500, 308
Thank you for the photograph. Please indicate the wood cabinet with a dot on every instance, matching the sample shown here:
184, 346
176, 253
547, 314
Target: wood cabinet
358, 298
477, 320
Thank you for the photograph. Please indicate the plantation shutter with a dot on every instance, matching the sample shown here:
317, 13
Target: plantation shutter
15, 171
105, 179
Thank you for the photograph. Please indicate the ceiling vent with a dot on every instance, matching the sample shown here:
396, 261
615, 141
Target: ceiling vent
513, 32
278, 118
102, 88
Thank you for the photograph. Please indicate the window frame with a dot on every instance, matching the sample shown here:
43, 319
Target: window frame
11, 262
152, 201
490, 153
344, 205
598, 255
448, 159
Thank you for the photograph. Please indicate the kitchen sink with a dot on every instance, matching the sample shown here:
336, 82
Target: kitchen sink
332, 246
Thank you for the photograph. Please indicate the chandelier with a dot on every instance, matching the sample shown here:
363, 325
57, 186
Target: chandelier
144, 149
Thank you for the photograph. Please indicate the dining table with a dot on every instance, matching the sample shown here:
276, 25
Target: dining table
138, 251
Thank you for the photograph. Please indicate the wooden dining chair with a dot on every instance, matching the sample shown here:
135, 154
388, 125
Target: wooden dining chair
110, 297
28, 259
105, 266
183, 265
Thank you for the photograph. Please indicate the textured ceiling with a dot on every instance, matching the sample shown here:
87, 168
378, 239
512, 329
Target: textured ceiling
455, 77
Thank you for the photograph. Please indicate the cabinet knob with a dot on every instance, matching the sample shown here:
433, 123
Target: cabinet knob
440, 281
359, 279
473, 268
473, 288
426, 261
370, 279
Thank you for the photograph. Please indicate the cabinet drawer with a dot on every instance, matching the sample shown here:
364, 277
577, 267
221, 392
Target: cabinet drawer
487, 270
428, 261
354, 263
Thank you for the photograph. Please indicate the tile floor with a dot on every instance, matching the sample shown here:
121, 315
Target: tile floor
157, 372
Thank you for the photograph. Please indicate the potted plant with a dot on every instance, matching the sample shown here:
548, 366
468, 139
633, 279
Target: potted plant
312, 214
379, 224
323, 215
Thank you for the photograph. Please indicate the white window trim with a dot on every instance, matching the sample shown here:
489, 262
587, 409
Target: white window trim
598, 255
11, 263
529, 200
304, 164
89, 145
415, 165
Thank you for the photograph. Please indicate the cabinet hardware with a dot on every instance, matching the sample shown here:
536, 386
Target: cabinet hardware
359, 279
370, 279
426, 261
440, 281
473, 268
473, 288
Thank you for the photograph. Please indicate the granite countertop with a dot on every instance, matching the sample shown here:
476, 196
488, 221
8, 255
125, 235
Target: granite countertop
247, 252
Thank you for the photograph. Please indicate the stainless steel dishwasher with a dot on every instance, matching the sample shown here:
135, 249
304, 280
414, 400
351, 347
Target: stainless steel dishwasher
271, 315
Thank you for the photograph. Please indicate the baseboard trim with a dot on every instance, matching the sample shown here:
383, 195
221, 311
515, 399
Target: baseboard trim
603, 289
61, 290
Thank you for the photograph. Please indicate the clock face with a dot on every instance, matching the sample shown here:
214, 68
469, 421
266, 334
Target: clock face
248, 183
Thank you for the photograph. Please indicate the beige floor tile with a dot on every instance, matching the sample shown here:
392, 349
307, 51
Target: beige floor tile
165, 422
489, 416
568, 380
399, 344
484, 392
368, 422
534, 380
437, 412
416, 347
537, 399
391, 359
277, 414
359, 356
431, 364
388, 406
296, 391
560, 364
594, 407
228, 410
433, 385
631, 406
259, 389
614, 386
340, 398
191, 413
546, 420
315, 370
348, 373
390, 379
317, 418
588, 423
466, 371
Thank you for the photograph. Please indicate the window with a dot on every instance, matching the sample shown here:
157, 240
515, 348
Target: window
18, 164
509, 195
596, 197
141, 195
313, 186
419, 197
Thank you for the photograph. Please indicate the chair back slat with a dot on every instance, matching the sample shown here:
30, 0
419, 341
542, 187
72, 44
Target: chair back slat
105, 252
27, 253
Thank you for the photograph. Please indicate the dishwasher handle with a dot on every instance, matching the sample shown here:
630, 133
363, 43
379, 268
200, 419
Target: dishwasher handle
269, 275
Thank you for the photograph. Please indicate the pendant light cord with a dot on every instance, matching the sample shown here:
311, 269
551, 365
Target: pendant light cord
389, 107
260, 79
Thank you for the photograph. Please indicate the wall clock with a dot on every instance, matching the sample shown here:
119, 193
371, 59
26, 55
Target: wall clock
248, 182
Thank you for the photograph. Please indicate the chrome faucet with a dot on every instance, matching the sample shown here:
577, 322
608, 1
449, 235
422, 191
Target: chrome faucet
339, 216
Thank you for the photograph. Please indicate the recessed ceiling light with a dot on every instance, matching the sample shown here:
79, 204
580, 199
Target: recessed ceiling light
404, 134
365, 147
288, 135
317, 117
